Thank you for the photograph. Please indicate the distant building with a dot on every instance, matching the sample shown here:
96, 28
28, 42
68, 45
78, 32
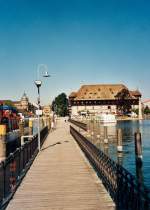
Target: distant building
103, 98
23, 104
146, 103
47, 111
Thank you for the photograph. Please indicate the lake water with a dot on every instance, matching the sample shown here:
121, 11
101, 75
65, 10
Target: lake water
127, 159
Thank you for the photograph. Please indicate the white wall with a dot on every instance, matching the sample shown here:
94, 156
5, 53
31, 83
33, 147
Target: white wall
93, 109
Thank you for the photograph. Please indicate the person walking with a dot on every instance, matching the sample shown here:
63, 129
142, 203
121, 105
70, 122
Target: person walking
52, 125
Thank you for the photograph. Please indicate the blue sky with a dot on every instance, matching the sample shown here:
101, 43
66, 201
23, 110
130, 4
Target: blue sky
81, 42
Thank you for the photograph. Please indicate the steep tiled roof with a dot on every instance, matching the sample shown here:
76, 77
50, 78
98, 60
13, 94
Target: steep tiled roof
99, 92
146, 101
102, 92
73, 95
135, 93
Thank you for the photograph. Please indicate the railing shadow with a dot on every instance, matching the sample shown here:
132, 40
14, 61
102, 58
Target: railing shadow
52, 145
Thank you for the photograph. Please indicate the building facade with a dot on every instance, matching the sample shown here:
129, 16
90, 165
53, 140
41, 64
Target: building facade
103, 98
146, 103
47, 111
23, 104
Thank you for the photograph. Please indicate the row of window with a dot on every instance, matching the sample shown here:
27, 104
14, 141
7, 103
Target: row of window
113, 102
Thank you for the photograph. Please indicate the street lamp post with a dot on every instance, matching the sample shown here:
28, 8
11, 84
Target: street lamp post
38, 84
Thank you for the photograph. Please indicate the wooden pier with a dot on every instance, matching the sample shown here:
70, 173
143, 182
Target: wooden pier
61, 178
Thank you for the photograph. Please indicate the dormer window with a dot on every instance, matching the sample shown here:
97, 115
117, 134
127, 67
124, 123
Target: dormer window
111, 91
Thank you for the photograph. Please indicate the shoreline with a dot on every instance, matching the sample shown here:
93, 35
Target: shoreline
128, 119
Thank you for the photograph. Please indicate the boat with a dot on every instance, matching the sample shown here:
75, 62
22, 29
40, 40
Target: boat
107, 118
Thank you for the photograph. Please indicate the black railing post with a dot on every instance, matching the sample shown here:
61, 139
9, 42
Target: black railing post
4, 178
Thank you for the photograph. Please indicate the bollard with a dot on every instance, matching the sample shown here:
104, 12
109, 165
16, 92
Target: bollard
105, 135
2, 142
30, 127
138, 148
119, 140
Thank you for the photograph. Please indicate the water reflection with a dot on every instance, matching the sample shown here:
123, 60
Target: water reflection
127, 158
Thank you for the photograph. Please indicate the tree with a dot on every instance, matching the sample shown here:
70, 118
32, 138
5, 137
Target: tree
123, 98
136, 111
60, 105
8, 103
146, 110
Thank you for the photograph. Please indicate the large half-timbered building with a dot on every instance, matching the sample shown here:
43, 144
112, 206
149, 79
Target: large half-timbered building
103, 98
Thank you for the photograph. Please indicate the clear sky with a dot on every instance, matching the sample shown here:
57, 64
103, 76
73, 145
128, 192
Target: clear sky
81, 42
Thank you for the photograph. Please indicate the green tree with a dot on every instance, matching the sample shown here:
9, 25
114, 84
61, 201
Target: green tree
124, 103
8, 103
60, 105
146, 110
135, 111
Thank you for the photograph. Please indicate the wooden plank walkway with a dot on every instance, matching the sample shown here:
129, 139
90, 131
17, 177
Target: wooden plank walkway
61, 179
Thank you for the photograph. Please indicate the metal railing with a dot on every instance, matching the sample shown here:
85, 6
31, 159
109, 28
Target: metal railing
79, 124
126, 191
14, 168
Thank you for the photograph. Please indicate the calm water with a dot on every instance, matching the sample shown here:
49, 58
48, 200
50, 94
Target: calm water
128, 157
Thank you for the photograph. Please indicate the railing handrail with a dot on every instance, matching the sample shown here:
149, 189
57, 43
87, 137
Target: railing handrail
126, 191
79, 124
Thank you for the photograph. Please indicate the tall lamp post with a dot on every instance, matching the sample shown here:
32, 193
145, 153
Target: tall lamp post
38, 84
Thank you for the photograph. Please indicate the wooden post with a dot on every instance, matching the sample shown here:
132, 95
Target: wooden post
138, 147
139, 172
88, 129
105, 135
140, 109
21, 128
119, 140
106, 149
2, 142
44, 121
98, 129
49, 123
30, 127
120, 158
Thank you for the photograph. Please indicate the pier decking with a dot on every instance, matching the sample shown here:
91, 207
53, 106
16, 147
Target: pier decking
61, 179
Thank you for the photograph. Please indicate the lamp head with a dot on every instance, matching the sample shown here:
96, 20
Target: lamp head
46, 74
38, 83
